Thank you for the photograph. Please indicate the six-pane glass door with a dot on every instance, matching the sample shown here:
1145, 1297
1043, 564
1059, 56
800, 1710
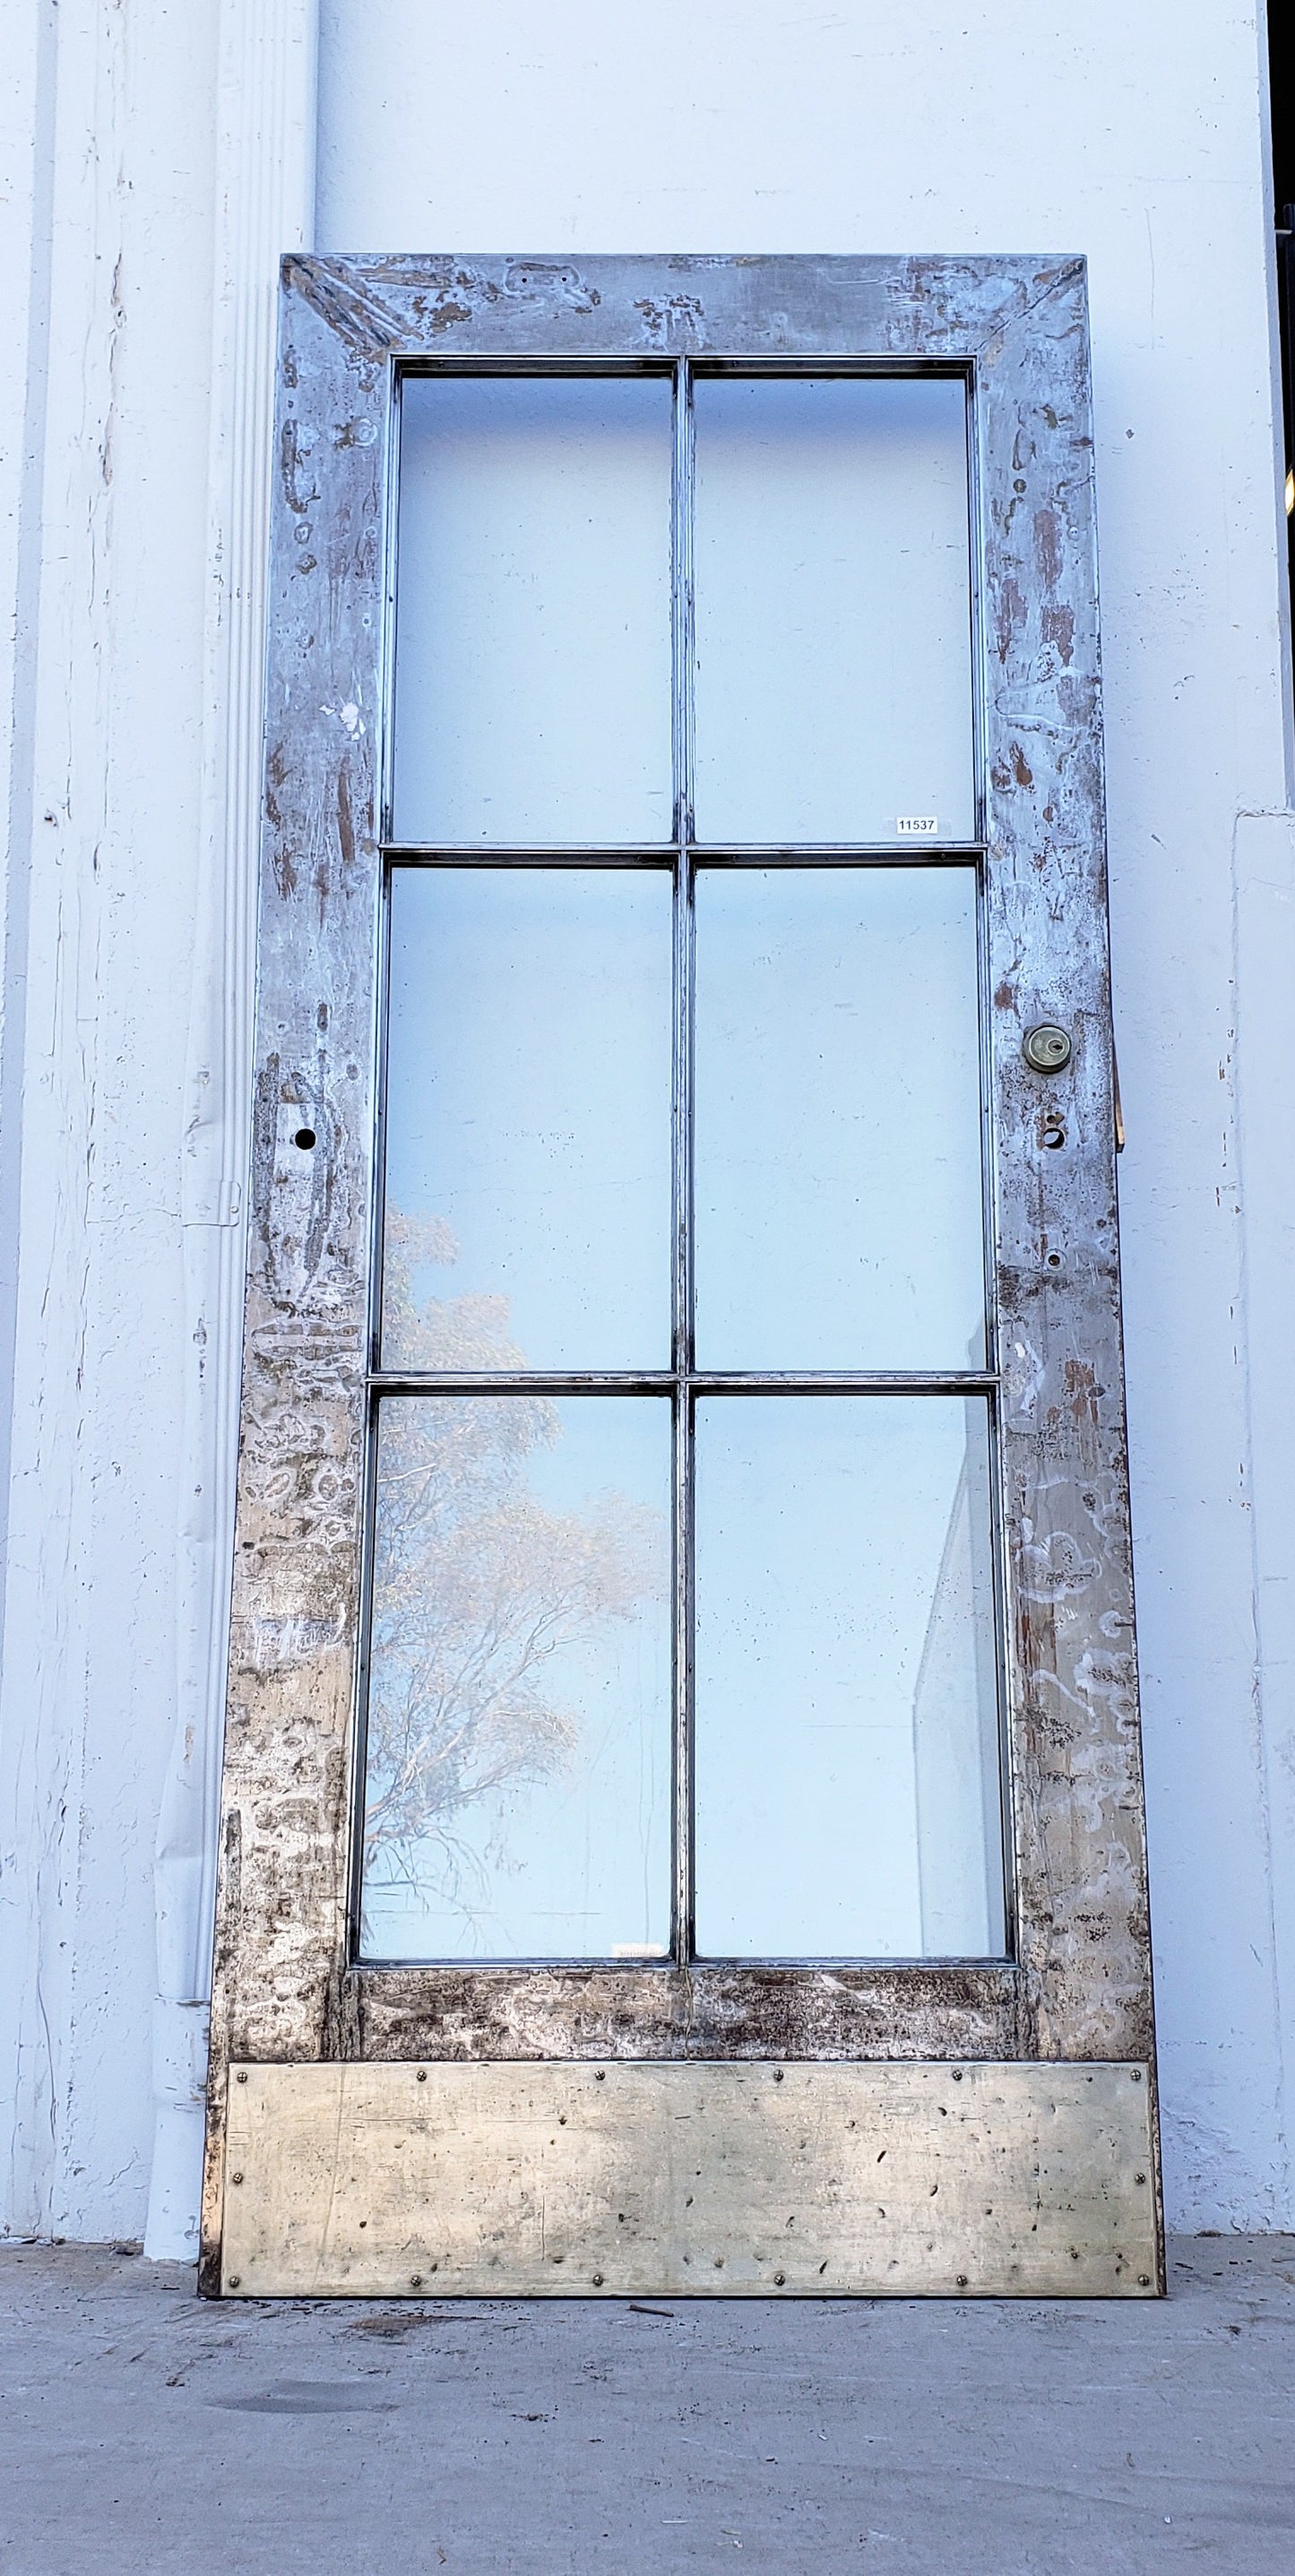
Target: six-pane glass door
682, 1629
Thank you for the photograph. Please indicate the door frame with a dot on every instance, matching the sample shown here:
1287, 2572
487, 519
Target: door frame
288, 1991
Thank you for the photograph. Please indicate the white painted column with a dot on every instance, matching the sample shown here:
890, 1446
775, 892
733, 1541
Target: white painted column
158, 163
265, 195
67, 207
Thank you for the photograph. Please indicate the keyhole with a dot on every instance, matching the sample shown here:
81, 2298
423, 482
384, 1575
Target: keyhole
1053, 1138
305, 1137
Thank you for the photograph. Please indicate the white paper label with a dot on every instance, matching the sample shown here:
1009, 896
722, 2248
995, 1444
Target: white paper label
920, 826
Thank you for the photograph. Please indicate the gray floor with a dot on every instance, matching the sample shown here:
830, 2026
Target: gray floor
143, 2430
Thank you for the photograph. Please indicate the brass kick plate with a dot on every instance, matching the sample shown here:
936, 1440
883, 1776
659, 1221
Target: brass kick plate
382, 2181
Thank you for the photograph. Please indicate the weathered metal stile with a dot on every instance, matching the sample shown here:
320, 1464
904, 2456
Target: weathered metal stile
290, 1993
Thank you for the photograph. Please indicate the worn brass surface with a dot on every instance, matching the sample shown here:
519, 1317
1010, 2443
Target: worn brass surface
687, 2180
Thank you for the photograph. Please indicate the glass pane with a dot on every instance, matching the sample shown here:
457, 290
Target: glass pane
833, 678
528, 1119
519, 1736
847, 1781
533, 610
838, 1175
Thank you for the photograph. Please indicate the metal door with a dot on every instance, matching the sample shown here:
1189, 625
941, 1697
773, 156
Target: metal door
683, 1822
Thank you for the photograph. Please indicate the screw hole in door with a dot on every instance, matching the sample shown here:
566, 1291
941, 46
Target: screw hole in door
305, 1138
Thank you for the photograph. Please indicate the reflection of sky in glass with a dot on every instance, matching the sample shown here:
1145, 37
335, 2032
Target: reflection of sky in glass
533, 610
529, 1100
520, 1746
523, 1616
846, 1731
833, 609
838, 1178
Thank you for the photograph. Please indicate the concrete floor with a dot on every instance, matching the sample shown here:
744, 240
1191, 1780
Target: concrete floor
144, 2430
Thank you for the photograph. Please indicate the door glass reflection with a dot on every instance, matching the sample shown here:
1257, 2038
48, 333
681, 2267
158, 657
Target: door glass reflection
532, 700
528, 1119
518, 1763
838, 1160
833, 608
847, 1774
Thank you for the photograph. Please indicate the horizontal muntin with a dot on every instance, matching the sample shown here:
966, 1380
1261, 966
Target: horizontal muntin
664, 854
693, 1381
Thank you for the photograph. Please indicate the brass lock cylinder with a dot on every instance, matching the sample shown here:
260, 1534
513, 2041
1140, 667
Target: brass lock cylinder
1047, 1049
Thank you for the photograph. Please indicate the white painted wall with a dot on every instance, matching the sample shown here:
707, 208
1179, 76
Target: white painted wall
1133, 135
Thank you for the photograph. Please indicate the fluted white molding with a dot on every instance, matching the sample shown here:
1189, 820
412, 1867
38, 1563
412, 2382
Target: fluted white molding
266, 106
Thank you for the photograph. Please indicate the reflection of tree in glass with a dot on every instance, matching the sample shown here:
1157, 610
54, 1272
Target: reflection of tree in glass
476, 1586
